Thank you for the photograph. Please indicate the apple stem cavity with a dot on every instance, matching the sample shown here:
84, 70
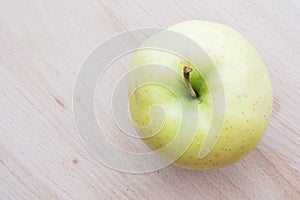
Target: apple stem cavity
186, 74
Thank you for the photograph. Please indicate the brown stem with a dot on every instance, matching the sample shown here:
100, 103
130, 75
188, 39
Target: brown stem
186, 74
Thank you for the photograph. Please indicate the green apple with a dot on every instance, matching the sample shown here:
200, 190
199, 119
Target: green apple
247, 90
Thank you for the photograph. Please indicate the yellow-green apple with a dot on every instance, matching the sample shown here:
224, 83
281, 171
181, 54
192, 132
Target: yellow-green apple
247, 94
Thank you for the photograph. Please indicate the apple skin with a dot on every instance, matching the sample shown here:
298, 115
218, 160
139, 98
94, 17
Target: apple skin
247, 88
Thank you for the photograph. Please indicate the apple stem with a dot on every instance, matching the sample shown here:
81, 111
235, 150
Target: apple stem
186, 74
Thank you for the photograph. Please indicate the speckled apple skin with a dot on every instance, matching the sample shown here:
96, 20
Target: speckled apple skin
247, 87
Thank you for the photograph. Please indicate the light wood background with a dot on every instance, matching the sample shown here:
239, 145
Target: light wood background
42, 46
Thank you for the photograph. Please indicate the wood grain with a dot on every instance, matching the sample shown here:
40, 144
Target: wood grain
42, 46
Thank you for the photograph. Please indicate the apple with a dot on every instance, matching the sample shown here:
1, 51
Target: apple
247, 94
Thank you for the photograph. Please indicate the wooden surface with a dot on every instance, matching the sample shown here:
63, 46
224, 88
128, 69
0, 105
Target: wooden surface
42, 46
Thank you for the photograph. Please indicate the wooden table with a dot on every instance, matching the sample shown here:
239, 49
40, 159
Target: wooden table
42, 46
